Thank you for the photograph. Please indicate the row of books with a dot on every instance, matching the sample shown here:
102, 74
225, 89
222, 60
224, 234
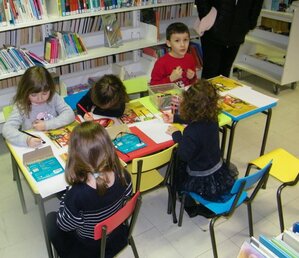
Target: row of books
84, 65
284, 246
22, 36
78, 88
14, 59
17, 11
61, 45
71, 7
175, 11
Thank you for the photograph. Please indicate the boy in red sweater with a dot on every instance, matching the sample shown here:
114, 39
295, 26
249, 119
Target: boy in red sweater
177, 65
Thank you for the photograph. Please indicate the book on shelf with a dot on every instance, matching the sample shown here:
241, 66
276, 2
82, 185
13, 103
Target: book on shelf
285, 247
136, 112
248, 250
112, 32
273, 247
42, 164
292, 239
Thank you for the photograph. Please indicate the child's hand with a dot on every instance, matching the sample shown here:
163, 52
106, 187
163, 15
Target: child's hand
190, 74
34, 142
171, 129
176, 74
39, 125
167, 117
88, 116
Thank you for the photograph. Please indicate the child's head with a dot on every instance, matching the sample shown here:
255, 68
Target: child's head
177, 38
200, 102
35, 87
109, 92
91, 151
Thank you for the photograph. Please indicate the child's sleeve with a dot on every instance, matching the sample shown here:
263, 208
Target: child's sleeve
158, 75
68, 217
86, 103
65, 114
11, 127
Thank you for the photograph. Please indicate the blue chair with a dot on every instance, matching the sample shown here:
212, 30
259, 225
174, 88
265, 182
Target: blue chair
73, 99
235, 198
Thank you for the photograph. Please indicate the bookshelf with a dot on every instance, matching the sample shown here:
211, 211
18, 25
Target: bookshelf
135, 34
272, 54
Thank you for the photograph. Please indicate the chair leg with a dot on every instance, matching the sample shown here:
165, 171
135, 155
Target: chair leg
250, 222
171, 203
212, 235
249, 166
182, 210
133, 246
279, 207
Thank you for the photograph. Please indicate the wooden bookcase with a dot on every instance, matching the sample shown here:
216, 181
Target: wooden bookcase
273, 55
135, 34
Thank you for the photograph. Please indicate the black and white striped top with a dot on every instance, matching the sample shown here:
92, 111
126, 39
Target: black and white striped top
82, 207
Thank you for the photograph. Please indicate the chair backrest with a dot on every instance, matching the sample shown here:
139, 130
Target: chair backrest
252, 179
131, 208
6, 111
73, 99
136, 85
153, 161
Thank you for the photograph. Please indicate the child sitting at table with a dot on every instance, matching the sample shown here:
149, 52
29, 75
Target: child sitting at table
36, 106
99, 185
107, 97
204, 173
176, 66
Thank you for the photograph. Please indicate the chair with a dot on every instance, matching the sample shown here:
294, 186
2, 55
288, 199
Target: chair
234, 199
73, 99
6, 111
285, 168
147, 166
137, 85
127, 214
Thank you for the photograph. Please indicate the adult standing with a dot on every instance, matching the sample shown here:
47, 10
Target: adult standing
223, 27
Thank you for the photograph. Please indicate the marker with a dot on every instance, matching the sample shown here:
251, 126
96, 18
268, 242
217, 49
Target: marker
83, 109
34, 136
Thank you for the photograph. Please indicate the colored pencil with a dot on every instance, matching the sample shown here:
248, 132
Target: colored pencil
82, 108
34, 136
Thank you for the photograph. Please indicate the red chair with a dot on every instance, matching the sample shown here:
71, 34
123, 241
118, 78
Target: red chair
127, 214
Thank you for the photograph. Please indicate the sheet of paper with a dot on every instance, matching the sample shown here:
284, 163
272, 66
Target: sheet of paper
154, 129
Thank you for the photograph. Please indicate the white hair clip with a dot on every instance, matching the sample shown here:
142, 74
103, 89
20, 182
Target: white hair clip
96, 175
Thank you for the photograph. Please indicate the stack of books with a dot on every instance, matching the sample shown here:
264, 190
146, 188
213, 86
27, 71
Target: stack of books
14, 59
285, 245
62, 45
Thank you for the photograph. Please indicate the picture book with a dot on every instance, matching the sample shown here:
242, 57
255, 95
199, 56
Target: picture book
60, 137
223, 83
235, 106
127, 142
247, 250
112, 33
42, 164
136, 112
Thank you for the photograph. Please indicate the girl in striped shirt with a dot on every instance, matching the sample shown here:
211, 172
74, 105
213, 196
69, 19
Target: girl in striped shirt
99, 185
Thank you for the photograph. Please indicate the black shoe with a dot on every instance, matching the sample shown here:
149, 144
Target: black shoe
203, 211
192, 211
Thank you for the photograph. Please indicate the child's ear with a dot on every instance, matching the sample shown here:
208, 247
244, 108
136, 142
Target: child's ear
168, 43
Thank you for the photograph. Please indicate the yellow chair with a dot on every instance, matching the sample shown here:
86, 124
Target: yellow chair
137, 85
285, 168
6, 111
148, 165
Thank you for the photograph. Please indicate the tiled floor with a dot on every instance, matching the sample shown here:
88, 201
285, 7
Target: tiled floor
155, 235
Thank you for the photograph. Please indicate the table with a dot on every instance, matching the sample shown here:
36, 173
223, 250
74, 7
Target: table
257, 103
47, 188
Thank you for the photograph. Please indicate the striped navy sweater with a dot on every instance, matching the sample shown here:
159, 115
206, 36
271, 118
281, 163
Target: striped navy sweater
82, 207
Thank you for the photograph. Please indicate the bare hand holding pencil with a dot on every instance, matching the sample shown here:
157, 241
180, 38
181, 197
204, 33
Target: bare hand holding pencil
88, 115
33, 141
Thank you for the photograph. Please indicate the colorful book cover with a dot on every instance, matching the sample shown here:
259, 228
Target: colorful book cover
136, 112
60, 137
247, 250
223, 83
235, 106
112, 33
43, 169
